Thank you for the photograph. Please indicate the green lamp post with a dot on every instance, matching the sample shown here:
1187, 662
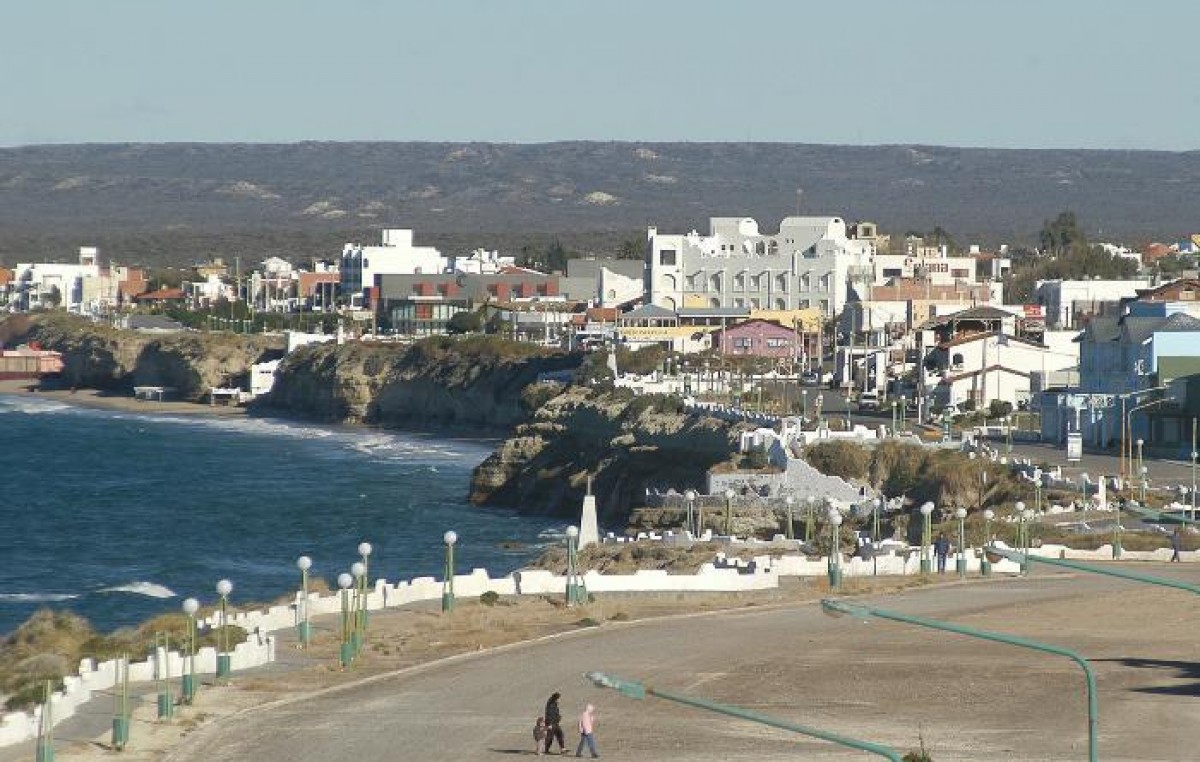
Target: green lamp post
364, 553
835, 550
789, 501
188, 679
358, 571
810, 519
450, 537
1028, 515
303, 628
728, 513
689, 498
926, 537
985, 566
1116, 543
960, 513
1145, 478
576, 594
862, 611
876, 509
346, 653
1019, 515
224, 588
641, 691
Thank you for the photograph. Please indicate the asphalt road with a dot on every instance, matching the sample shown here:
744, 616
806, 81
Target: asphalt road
881, 681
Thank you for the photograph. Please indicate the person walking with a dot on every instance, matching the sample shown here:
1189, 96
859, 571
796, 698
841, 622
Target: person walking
1176, 545
941, 548
553, 717
587, 732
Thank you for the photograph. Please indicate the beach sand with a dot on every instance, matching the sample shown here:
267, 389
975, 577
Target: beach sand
109, 401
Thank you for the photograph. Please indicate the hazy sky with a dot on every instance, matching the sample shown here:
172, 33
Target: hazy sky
1020, 73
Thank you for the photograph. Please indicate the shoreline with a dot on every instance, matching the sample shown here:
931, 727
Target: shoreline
99, 400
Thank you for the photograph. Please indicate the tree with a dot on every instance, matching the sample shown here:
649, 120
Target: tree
465, 322
631, 248
54, 297
1061, 234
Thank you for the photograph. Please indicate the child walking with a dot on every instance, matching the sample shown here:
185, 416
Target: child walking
539, 735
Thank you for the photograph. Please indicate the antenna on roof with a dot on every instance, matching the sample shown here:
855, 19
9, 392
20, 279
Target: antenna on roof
799, 197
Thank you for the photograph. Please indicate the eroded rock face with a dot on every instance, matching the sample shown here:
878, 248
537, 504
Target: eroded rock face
438, 384
626, 445
99, 357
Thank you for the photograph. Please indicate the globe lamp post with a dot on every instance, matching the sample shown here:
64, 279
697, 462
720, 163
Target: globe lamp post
358, 571
789, 501
689, 498
450, 537
224, 588
188, 682
961, 514
985, 566
303, 628
346, 653
728, 513
835, 551
926, 537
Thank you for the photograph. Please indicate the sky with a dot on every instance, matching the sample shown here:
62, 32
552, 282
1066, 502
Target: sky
1014, 74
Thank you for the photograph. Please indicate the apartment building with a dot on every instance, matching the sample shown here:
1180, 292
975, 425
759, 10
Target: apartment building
807, 264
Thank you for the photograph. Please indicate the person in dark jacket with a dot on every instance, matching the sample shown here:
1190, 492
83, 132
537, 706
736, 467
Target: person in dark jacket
553, 717
941, 548
1176, 545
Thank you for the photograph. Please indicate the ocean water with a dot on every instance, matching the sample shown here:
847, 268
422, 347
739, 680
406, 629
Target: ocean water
120, 516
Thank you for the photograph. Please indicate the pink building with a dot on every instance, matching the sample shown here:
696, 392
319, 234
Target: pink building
762, 338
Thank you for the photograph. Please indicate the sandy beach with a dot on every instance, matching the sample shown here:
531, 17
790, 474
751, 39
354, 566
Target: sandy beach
108, 401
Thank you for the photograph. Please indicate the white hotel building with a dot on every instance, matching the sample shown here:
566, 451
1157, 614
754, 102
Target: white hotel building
807, 264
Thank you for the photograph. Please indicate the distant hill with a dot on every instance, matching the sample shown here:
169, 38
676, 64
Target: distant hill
176, 203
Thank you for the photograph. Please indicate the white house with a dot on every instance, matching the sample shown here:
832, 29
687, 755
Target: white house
808, 263
55, 284
396, 256
980, 367
1068, 301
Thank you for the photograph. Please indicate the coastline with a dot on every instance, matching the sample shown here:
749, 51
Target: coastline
99, 400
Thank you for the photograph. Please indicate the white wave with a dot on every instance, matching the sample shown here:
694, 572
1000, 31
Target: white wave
36, 597
31, 405
148, 589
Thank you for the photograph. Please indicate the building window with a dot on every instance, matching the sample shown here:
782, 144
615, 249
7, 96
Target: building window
781, 282
805, 304
714, 302
743, 342
739, 282
739, 302
691, 282
824, 304
805, 283
776, 343
755, 303
781, 304
666, 257
714, 283
959, 273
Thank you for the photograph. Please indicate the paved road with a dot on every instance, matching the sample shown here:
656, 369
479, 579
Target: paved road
882, 681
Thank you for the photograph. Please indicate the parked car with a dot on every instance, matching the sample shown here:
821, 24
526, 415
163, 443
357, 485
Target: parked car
868, 401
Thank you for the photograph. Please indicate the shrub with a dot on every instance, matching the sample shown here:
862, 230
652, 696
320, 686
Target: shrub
836, 458
490, 598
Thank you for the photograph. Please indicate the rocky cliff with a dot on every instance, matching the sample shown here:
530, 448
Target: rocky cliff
99, 357
475, 382
627, 444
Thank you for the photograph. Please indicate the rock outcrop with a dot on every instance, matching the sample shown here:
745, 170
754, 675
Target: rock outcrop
100, 357
478, 382
627, 444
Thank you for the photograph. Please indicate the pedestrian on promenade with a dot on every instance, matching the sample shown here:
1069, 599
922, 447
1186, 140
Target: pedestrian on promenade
587, 730
553, 717
1176, 545
539, 735
941, 548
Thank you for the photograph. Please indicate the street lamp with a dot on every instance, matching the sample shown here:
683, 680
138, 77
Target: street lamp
344, 581
904, 412
835, 550
450, 537
303, 629
926, 537
358, 571
984, 564
689, 497
862, 611
1116, 543
575, 590
1194, 456
729, 513
804, 404
1028, 536
640, 691
1007, 434
789, 501
224, 588
1145, 477
364, 552
961, 514
810, 518
188, 683
820, 404
876, 507
1139, 444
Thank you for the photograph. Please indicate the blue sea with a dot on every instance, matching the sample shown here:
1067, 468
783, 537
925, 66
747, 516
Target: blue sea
120, 516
